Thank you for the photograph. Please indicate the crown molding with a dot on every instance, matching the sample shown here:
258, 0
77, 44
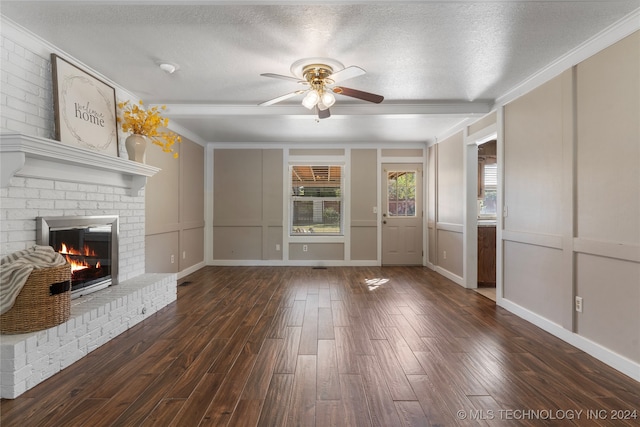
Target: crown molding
607, 37
451, 108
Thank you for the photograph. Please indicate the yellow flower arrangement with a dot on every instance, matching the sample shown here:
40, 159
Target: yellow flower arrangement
136, 119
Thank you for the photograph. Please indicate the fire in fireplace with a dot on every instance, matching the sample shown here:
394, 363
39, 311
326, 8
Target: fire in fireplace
90, 245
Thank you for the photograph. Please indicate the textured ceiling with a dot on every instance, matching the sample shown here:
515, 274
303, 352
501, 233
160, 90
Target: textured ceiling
436, 62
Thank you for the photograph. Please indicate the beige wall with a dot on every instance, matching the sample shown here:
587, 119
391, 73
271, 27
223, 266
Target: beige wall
401, 152
533, 278
450, 180
611, 297
364, 243
250, 209
247, 206
534, 187
175, 209
533, 133
431, 204
316, 152
608, 197
450, 248
364, 197
316, 252
608, 131
572, 190
159, 248
483, 123
448, 183
272, 205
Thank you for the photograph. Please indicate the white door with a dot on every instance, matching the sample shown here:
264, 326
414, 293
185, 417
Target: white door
402, 214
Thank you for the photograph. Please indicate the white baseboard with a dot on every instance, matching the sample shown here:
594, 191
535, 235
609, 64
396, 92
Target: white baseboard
605, 355
293, 263
191, 269
449, 275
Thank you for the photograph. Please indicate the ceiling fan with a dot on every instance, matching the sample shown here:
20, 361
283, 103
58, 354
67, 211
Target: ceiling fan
320, 75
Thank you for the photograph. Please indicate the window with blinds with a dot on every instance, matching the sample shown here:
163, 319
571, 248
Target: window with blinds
489, 202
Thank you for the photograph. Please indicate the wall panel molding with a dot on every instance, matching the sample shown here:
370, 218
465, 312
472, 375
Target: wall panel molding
364, 223
545, 240
446, 226
619, 251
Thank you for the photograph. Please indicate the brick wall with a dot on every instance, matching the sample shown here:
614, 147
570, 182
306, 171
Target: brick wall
26, 94
28, 198
26, 107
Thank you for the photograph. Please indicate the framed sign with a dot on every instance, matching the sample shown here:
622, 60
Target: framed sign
85, 108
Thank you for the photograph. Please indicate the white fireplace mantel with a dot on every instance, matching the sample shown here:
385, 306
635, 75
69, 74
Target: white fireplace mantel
35, 157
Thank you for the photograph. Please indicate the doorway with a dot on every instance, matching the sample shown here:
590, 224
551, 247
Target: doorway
402, 214
487, 218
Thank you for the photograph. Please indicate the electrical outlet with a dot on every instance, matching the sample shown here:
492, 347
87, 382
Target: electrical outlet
375, 209
579, 304
305, 248
173, 259
505, 211
184, 254
444, 254
277, 246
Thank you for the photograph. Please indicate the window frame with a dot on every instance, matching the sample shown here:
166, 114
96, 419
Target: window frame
483, 176
292, 236
415, 173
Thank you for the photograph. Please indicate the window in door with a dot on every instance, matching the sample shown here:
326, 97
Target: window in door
401, 194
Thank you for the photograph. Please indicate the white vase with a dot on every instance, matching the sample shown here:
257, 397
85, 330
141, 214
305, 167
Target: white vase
136, 146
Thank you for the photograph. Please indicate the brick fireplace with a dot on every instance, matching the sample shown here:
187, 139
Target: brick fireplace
90, 246
44, 178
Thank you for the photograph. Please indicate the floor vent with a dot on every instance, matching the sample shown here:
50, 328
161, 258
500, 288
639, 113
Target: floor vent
186, 283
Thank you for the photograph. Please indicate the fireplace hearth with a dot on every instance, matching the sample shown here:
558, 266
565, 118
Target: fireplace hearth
90, 245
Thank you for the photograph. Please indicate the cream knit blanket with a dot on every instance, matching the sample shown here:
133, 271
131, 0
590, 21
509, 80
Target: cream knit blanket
16, 268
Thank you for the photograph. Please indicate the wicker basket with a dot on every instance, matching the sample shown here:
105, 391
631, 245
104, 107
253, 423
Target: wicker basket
43, 302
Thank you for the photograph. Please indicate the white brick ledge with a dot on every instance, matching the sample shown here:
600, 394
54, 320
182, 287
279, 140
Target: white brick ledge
28, 359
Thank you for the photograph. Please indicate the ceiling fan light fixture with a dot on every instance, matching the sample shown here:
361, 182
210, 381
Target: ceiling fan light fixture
319, 75
311, 99
328, 99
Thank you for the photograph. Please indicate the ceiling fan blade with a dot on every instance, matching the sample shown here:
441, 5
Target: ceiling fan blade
281, 98
283, 77
365, 96
346, 73
323, 114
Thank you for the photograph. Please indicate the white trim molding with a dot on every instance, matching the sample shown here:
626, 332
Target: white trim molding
616, 361
449, 275
35, 157
292, 263
618, 251
614, 33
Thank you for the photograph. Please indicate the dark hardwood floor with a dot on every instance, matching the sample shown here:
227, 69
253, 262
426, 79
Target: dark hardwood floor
280, 346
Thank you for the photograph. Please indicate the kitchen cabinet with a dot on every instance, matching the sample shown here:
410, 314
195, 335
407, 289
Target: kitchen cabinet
486, 255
